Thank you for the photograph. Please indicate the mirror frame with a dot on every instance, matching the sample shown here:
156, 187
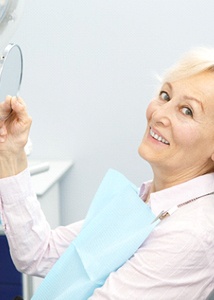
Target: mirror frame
4, 58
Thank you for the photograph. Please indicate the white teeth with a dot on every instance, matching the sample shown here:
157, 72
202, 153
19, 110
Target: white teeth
158, 137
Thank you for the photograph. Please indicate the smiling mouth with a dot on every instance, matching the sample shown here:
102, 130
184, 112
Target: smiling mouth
158, 137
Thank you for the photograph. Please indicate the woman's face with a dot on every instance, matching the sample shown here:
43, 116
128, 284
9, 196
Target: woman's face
180, 132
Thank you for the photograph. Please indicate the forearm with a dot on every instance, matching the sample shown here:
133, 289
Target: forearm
23, 221
33, 245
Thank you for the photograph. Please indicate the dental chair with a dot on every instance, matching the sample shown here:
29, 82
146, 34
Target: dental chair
211, 296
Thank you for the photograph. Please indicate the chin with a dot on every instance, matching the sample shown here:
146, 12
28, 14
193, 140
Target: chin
148, 153
144, 151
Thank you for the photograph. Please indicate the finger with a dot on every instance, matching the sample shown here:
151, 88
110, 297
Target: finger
5, 108
20, 111
3, 130
7, 102
19, 107
3, 134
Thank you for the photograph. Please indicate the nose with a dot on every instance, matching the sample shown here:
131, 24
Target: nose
162, 115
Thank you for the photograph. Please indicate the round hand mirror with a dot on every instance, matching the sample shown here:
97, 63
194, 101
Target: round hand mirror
11, 68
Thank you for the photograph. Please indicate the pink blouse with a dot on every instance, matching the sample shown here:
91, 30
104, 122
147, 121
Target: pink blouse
175, 262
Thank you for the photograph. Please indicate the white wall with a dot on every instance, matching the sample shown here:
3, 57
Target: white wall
89, 73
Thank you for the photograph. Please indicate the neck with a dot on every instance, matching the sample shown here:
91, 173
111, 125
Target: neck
164, 179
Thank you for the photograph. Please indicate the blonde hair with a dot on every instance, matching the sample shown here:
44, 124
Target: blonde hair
192, 63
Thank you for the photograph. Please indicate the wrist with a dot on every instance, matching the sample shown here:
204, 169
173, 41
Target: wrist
11, 164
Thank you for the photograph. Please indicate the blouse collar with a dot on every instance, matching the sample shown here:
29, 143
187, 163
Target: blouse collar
167, 198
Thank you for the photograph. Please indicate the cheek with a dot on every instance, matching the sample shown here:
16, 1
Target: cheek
187, 136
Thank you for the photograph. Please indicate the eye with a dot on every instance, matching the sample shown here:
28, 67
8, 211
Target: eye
164, 96
187, 111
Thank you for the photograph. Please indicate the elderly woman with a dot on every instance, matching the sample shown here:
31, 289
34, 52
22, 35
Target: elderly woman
177, 259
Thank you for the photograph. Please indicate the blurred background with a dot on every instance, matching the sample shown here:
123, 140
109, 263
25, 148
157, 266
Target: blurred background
90, 71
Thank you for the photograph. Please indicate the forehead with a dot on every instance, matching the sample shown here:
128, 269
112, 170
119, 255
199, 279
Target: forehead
200, 86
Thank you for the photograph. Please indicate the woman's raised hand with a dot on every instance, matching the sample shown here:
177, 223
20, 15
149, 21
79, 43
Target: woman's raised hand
14, 130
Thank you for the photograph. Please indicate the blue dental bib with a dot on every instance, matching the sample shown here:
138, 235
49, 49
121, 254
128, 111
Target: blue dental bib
116, 225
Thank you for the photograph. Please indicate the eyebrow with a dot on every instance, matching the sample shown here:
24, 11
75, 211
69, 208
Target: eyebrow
187, 97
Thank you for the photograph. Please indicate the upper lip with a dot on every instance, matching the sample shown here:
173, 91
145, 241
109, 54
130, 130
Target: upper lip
158, 136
